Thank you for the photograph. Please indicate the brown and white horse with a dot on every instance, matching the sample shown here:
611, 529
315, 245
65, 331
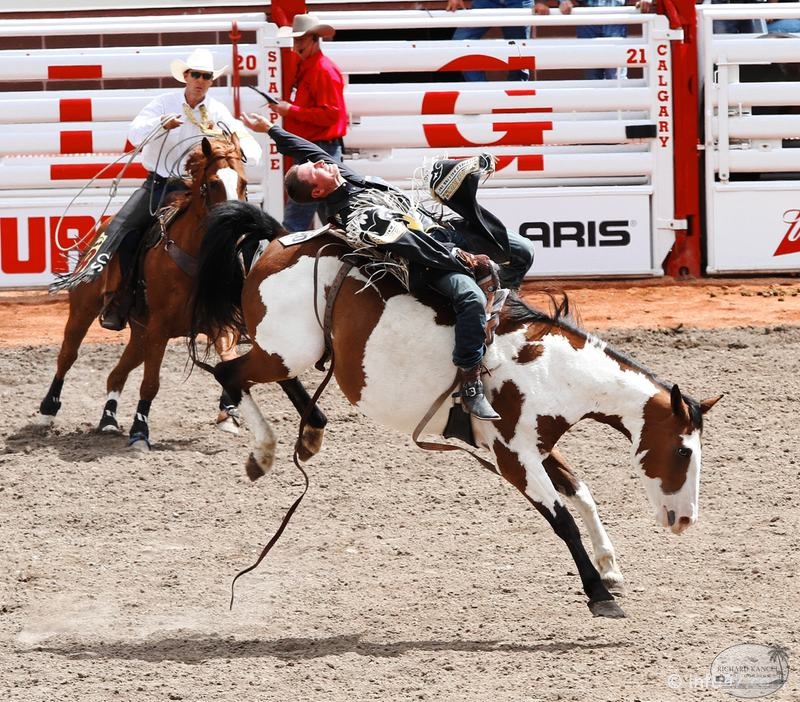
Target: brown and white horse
216, 172
392, 360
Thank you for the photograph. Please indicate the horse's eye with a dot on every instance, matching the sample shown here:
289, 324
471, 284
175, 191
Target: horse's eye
684, 452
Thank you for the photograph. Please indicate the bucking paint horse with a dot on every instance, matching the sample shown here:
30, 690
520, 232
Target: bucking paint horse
216, 174
391, 355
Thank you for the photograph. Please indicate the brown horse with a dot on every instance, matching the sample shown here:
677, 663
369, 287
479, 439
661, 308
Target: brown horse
216, 174
392, 361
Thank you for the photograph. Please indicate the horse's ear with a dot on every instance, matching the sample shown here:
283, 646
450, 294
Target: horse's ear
206, 145
706, 405
678, 405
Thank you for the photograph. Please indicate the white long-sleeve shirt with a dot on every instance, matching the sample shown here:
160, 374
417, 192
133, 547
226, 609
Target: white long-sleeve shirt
166, 153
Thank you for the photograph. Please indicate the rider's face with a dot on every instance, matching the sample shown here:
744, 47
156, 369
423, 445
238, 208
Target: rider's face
324, 176
196, 88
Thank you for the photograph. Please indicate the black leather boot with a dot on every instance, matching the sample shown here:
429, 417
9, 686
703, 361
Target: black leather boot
114, 316
472, 398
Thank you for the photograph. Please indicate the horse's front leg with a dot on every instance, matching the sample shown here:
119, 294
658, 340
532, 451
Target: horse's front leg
155, 344
132, 357
309, 442
85, 303
580, 498
526, 472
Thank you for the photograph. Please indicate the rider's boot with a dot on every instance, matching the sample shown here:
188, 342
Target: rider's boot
117, 308
472, 398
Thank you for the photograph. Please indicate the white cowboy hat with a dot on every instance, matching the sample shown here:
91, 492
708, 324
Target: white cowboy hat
198, 60
306, 24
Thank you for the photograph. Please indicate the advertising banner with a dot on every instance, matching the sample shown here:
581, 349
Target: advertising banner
37, 236
580, 231
755, 227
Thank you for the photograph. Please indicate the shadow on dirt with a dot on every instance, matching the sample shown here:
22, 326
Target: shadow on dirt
83, 445
198, 650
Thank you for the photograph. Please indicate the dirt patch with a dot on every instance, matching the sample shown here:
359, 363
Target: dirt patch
404, 575
38, 318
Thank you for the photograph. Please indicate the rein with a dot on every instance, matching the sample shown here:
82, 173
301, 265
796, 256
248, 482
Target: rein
185, 261
325, 323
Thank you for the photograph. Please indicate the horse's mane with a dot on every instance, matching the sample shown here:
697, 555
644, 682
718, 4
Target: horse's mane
563, 317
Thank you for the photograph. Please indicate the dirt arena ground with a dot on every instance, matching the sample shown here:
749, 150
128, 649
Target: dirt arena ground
404, 575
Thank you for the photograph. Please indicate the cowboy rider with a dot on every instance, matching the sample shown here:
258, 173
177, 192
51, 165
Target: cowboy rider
351, 201
177, 120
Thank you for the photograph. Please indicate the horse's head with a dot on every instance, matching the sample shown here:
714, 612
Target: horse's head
217, 171
668, 453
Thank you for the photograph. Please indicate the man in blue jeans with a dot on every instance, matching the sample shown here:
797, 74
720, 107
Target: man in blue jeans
594, 31
509, 33
375, 214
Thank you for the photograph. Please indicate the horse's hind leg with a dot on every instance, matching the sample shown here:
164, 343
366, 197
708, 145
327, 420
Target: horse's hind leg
85, 303
154, 346
529, 477
228, 419
580, 498
309, 442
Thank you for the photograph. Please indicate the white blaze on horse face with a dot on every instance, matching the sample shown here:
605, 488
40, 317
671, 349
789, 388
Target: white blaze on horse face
407, 365
290, 328
681, 507
230, 179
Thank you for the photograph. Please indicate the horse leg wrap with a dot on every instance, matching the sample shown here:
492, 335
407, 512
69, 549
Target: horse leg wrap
52, 400
140, 431
108, 422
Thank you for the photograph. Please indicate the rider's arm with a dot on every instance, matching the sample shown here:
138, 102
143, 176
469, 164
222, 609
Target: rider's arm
149, 118
222, 115
298, 148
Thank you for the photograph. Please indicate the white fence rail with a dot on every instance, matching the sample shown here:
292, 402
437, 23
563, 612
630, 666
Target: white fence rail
752, 160
586, 167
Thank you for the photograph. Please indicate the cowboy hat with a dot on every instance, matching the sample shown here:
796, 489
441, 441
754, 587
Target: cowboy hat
306, 24
198, 60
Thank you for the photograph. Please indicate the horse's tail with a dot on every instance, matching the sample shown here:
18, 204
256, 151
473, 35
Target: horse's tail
217, 298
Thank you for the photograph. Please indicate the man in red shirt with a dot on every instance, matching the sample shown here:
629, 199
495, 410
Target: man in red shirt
316, 109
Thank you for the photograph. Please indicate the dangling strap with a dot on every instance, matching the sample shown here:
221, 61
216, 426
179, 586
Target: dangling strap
326, 329
437, 446
325, 322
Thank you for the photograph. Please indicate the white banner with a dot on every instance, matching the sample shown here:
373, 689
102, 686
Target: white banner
38, 235
755, 227
580, 231
576, 232
34, 246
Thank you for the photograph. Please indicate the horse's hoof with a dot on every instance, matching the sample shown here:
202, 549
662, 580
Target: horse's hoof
109, 428
310, 443
253, 469
44, 420
606, 608
139, 443
228, 421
